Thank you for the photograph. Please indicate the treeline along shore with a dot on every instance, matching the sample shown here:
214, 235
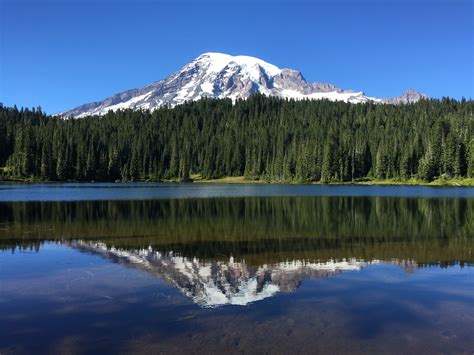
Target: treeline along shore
261, 138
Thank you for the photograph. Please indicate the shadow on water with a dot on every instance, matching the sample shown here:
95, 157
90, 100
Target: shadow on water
268, 229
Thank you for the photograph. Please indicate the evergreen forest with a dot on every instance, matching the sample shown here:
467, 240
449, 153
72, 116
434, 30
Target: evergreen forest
261, 138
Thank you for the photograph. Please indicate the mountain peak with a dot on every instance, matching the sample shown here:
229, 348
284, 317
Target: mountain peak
408, 97
220, 75
219, 61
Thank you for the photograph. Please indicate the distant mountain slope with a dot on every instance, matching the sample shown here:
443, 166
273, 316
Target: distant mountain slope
220, 75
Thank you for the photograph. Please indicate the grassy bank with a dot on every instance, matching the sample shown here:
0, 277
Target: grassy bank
387, 182
197, 178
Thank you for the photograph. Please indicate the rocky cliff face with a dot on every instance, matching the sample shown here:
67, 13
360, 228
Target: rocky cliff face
220, 75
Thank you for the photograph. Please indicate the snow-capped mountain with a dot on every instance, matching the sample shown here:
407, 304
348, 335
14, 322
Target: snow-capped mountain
220, 75
226, 282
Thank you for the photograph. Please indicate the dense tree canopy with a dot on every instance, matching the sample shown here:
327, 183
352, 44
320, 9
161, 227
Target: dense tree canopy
261, 138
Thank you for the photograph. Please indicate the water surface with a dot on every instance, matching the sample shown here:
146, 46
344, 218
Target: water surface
212, 268
140, 191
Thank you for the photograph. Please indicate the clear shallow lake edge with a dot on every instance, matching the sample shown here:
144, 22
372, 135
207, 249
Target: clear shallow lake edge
197, 268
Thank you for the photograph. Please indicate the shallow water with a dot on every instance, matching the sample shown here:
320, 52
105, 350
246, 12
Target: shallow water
206, 269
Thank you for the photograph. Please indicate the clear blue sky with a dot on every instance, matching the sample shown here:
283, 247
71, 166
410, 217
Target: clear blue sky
58, 54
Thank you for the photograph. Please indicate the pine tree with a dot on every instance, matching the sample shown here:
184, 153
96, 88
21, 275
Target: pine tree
470, 162
427, 166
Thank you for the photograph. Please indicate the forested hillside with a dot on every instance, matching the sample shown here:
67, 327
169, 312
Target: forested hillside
261, 138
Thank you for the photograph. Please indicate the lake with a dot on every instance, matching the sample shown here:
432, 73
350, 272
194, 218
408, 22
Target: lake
214, 268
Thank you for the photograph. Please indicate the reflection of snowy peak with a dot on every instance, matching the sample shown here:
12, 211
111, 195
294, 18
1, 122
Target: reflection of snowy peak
220, 75
212, 284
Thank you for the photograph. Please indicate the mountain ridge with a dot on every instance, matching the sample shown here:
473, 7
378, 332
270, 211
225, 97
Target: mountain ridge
218, 75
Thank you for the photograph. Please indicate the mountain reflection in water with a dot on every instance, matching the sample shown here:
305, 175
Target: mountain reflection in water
239, 250
217, 283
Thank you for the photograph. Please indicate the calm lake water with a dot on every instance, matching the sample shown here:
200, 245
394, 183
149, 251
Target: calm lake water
189, 268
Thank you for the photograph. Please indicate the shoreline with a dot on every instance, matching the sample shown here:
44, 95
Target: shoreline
454, 182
